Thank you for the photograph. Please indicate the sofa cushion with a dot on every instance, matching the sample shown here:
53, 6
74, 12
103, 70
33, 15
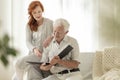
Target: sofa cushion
111, 58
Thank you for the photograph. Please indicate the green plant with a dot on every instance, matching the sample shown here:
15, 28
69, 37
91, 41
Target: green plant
6, 50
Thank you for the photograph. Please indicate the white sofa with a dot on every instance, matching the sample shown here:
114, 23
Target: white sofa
86, 59
90, 67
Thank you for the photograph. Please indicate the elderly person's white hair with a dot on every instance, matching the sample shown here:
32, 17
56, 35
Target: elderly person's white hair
62, 22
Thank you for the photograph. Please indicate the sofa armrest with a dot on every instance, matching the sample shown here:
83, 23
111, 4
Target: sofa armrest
97, 65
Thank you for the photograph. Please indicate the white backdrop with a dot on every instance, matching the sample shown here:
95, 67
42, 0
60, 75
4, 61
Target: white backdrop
78, 12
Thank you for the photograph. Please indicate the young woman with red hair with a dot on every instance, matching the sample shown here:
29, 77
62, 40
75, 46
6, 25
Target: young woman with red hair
38, 35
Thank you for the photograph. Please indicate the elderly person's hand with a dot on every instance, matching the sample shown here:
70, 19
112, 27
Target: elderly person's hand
45, 67
55, 60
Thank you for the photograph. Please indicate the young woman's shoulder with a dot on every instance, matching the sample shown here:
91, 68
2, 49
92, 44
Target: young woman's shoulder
48, 20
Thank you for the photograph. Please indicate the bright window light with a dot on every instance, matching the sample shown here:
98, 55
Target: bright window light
77, 12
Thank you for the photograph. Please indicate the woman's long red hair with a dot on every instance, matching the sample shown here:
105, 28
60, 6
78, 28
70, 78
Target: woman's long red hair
32, 22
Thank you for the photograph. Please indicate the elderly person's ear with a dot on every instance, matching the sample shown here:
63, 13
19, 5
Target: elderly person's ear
66, 32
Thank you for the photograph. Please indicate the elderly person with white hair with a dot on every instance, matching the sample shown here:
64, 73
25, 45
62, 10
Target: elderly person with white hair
67, 67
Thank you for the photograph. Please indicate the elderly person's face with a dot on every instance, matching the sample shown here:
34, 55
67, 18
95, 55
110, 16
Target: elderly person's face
59, 33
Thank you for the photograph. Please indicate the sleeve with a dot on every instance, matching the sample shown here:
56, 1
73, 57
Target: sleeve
75, 51
45, 55
29, 44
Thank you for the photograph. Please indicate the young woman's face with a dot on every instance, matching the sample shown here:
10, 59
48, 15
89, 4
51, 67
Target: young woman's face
37, 13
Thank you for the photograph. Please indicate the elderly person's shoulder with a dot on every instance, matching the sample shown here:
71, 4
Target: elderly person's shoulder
72, 39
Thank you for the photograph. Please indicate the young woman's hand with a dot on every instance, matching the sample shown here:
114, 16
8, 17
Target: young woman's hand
37, 52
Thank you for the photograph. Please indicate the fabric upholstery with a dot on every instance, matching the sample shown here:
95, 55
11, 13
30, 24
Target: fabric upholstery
97, 65
111, 59
107, 63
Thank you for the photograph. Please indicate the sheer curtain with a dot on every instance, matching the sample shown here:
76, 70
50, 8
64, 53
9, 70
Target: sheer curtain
78, 12
80, 15
19, 20
107, 24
